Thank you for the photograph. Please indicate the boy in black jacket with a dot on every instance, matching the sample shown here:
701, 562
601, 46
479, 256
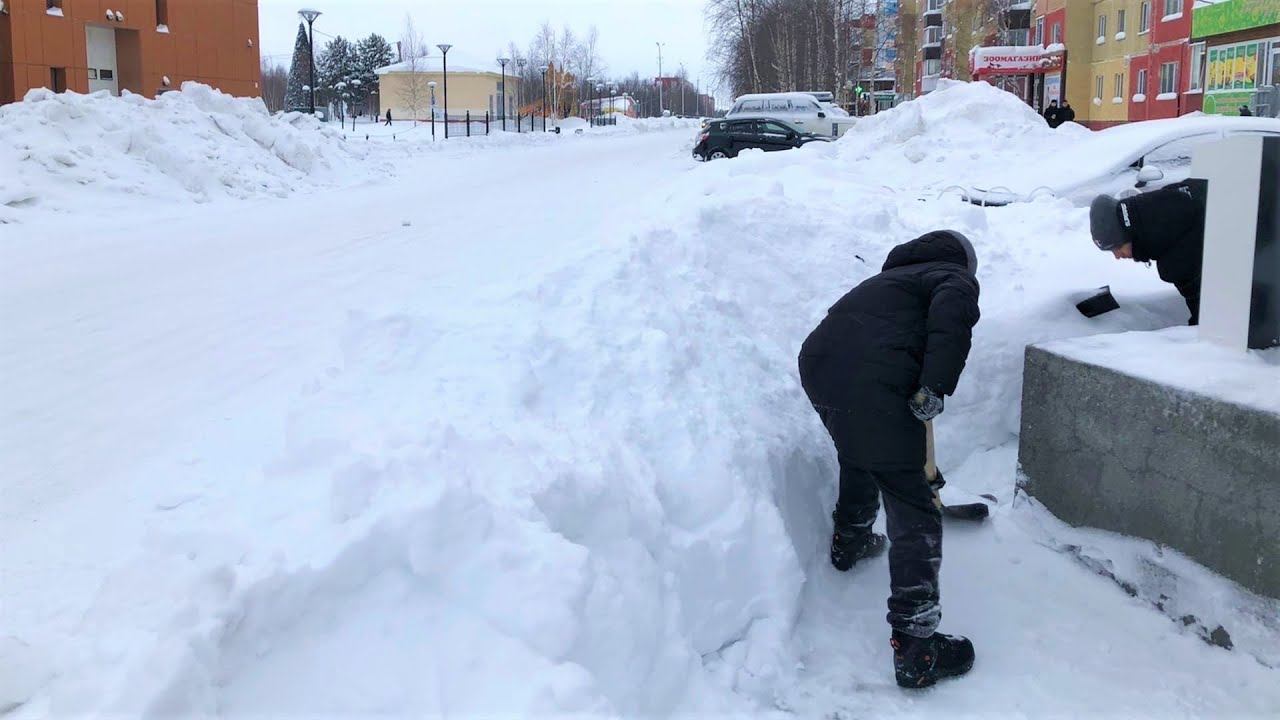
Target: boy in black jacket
875, 369
1165, 226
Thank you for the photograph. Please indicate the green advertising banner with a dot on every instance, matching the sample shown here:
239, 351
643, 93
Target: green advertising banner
1233, 15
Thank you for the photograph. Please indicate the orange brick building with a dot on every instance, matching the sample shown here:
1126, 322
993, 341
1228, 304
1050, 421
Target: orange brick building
143, 46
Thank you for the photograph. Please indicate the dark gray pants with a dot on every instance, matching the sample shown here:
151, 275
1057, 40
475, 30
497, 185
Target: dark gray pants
914, 527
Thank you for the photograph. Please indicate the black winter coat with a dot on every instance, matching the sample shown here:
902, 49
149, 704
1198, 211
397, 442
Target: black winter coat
1066, 114
1168, 228
1051, 114
906, 328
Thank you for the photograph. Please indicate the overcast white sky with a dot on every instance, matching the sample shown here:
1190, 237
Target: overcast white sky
628, 28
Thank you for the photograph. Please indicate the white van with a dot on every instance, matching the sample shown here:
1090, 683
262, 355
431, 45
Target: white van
800, 109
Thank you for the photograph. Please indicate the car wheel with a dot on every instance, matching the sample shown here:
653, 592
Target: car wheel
719, 155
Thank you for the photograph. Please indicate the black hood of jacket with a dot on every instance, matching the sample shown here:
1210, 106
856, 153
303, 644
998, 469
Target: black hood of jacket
937, 246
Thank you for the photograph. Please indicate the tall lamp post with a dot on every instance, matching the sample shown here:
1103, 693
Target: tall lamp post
543, 69
600, 99
444, 51
520, 63
431, 85
503, 62
310, 16
659, 77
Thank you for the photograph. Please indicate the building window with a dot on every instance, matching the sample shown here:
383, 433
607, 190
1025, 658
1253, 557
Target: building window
1040, 30
932, 35
162, 12
1120, 21
1172, 7
934, 6
1057, 33
932, 67
1017, 37
1097, 89
1140, 89
1169, 78
1102, 29
1118, 97
1144, 17
1197, 66
58, 80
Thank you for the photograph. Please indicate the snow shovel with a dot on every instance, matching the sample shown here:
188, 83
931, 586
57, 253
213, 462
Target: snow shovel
971, 511
1099, 303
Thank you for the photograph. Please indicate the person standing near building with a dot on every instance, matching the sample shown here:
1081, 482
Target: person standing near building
1066, 114
1245, 111
1052, 114
388, 117
876, 369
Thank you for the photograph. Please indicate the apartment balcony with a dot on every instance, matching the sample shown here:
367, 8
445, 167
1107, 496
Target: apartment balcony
929, 83
932, 52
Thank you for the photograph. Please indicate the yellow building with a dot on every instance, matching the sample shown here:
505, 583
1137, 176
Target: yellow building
415, 88
1117, 36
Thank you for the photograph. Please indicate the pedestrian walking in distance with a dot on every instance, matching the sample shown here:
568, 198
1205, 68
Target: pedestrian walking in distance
876, 369
388, 116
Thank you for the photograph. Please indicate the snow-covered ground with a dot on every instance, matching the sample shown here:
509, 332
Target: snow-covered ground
511, 426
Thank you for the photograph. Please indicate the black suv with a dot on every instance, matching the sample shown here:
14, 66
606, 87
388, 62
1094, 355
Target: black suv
726, 138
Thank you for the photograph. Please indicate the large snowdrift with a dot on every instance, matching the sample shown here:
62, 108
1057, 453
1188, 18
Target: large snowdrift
598, 490
65, 151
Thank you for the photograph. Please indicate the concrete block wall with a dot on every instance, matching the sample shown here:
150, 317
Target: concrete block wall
1109, 450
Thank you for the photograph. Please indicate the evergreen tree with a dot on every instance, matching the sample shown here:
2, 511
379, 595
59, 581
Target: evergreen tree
297, 96
335, 69
372, 53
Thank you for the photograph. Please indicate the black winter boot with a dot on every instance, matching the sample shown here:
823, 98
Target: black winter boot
920, 662
848, 546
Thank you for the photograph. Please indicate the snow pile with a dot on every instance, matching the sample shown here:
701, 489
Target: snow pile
62, 150
960, 133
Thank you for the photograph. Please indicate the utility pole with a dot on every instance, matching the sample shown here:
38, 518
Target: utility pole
659, 77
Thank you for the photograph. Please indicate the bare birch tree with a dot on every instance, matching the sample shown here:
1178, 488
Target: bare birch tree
414, 94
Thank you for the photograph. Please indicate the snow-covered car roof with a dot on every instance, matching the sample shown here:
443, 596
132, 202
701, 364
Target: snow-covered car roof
795, 96
1101, 156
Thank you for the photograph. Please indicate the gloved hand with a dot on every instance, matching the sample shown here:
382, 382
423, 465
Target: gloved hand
925, 404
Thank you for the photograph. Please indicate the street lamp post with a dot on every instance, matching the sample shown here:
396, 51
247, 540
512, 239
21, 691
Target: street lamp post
520, 63
503, 62
543, 69
600, 99
659, 77
431, 85
310, 16
444, 51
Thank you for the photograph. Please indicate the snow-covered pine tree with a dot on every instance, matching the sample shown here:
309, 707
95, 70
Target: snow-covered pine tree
335, 69
372, 53
296, 96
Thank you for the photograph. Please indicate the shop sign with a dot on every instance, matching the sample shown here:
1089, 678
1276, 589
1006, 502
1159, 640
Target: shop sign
1233, 15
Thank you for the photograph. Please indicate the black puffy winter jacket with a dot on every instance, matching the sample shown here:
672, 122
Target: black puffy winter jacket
908, 327
1167, 226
